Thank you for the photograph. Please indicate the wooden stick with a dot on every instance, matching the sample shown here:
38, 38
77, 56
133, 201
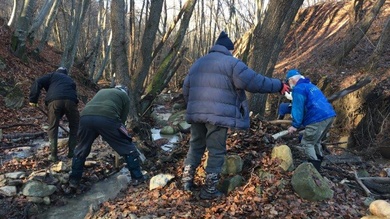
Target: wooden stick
366, 190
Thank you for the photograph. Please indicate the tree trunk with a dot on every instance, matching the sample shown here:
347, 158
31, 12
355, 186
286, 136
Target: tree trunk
145, 58
95, 49
383, 44
73, 37
164, 72
295, 5
39, 20
356, 33
264, 39
12, 19
48, 26
18, 41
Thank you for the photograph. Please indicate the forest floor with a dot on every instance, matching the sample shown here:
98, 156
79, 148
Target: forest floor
171, 202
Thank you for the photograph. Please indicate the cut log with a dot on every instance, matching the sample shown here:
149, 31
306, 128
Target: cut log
23, 135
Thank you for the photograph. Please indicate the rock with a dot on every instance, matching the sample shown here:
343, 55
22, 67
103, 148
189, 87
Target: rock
160, 180
39, 189
60, 167
8, 190
90, 163
15, 175
380, 208
35, 199
46, 200
230, 184
283, 153
232, 165
184, 127
309, 184
168, 130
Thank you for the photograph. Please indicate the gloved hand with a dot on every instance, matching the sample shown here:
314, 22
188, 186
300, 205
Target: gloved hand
285, 88
288, 95
33, 104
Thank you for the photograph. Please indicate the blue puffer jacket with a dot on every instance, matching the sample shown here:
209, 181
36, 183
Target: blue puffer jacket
309, 104
215, 89
58, 86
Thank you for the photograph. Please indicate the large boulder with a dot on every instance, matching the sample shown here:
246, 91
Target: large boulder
309, 184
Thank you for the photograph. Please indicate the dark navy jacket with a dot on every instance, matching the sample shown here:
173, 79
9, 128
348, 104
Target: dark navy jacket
309, 104
58, 86
215, 89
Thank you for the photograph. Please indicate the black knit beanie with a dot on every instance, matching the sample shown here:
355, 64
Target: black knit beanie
224, 40
62, 70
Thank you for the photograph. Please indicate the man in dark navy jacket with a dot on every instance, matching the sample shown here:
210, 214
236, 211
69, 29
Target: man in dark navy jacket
61, 99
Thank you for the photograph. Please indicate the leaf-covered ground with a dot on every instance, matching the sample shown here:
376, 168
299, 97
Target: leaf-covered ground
255, 199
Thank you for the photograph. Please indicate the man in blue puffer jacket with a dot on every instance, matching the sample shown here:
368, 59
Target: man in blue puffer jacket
311, 110
214, 91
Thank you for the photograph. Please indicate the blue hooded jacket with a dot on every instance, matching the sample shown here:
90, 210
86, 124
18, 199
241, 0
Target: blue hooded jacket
309, 104
215, 86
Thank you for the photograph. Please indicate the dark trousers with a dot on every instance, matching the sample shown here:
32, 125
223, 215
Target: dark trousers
93, 126
56, 110
213, 138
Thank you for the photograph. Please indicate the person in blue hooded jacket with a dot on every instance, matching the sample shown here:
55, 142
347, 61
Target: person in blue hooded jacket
310, 110
214, 90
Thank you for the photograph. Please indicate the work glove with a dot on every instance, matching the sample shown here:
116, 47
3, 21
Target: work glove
285, 88
288, 95
33, 104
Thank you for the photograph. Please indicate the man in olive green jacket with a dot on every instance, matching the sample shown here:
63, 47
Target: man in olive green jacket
105, 115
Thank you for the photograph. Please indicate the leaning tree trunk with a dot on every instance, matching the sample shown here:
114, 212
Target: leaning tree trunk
18, 40
295, 5
263, 42
39, 20
356, 33
48, 26
164, 72
383, 44
73, 37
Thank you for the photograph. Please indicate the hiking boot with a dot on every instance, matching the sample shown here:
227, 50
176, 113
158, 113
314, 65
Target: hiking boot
209, 190
53, 150
74, 184
187, 179
316, 164
137, 182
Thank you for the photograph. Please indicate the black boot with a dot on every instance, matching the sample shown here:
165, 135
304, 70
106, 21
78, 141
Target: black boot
316, 164
134, 167
187, 179
53, 150
77, 172
209, 190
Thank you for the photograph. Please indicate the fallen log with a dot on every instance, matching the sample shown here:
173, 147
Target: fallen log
18, 136
16, 125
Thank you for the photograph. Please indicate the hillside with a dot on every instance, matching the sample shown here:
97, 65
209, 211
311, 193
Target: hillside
308, 47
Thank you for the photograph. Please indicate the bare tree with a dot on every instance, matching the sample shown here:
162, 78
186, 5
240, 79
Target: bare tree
13, 14
263, 42
73, 37
38, 20
19, 37
47, 26
383, 44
